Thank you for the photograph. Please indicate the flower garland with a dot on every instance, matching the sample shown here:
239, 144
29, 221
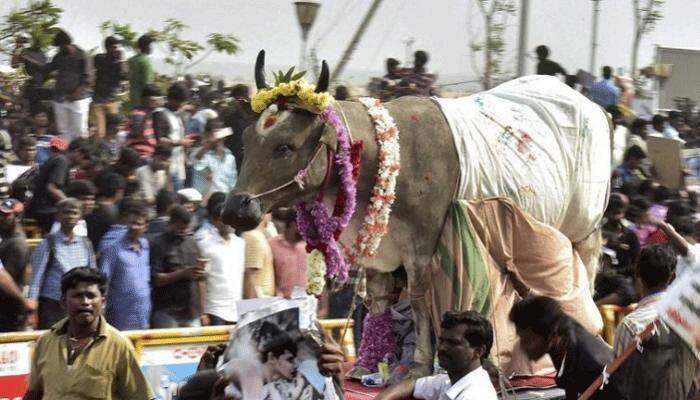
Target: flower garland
315, 273
319, 230
305, 93
384, 192
378, 340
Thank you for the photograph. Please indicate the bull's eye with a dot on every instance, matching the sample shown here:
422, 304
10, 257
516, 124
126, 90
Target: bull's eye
284, 150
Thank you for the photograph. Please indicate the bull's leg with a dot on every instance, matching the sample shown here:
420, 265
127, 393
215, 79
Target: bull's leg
377, 329
588, 250
423, 355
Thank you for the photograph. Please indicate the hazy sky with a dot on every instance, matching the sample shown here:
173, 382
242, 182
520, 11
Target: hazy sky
442, 27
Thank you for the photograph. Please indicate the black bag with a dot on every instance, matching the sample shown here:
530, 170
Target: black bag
23, 187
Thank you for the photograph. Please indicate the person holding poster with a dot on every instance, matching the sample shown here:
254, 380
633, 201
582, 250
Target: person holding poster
665, 367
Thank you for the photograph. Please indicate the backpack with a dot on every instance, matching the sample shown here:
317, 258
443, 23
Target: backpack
23, 187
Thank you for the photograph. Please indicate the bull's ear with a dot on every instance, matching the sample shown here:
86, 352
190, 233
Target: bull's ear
329, 137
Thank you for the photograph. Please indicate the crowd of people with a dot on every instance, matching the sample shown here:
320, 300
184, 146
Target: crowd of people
127, 194
134, 189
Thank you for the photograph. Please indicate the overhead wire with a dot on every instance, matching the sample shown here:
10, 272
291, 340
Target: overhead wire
389, 29
335, 21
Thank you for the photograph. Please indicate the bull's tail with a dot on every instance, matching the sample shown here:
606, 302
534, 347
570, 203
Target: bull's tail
588, 250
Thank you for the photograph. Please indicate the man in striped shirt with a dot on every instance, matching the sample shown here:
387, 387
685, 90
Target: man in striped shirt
57, 254
667, 367
655, 270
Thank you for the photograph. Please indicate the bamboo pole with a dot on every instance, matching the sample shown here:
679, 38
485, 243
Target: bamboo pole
616, 363
338, 71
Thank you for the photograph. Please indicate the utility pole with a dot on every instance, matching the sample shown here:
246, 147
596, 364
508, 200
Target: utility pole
408, 46
594, 36
306, 14
338, 71
522, 38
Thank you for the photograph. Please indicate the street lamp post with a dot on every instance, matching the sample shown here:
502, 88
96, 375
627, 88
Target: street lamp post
306, 14
594, 36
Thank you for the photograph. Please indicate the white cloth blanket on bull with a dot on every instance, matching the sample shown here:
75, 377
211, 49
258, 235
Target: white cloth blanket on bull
535, 164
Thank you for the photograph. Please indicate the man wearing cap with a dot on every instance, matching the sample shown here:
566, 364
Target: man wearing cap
213, 165
50, 184
110, 72
14, 256
191, 199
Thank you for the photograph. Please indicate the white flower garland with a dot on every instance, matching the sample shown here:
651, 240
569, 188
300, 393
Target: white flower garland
315, 273
383, 194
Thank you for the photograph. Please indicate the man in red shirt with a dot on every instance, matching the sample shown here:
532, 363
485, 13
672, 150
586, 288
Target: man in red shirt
289, 255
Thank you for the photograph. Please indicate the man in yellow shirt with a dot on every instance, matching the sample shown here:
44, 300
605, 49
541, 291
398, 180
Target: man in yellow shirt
259, 278
82, 356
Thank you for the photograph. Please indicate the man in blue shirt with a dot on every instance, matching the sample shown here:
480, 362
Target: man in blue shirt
604, 92
116, 230
57, 254
126, 266
213, 165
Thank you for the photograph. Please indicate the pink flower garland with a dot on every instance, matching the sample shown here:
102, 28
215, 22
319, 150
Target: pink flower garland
377, 340
319, 230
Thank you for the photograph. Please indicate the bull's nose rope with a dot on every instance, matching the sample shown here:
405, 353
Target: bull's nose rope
299, 178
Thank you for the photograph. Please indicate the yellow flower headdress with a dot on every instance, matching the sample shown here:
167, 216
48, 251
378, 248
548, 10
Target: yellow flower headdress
292, 87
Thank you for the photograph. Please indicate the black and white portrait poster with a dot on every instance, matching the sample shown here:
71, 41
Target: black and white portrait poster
279, 356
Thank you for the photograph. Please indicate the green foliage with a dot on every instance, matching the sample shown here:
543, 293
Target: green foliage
37, 21
281, 77
178, 47
122, 31
224, 43
495, 14
179, 52
648, 14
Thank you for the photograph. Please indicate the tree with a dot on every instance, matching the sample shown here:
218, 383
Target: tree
123, 31
179, 52
646, 15
495, 14
38, 22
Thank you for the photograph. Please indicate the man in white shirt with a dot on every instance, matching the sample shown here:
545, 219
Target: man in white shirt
224, 283
465, 340
153, 176
661, 128
169, 128
620, 133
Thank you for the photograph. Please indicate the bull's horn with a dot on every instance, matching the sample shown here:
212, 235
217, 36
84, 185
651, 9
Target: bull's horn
260, 71
322, 85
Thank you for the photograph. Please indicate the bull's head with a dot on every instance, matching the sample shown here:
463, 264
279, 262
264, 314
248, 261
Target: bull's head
284, 141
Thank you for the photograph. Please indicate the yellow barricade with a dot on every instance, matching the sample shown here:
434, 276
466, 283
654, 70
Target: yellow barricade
612, 315
169, 355
207, 334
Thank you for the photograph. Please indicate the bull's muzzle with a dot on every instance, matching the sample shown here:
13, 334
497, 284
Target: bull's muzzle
241, 212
